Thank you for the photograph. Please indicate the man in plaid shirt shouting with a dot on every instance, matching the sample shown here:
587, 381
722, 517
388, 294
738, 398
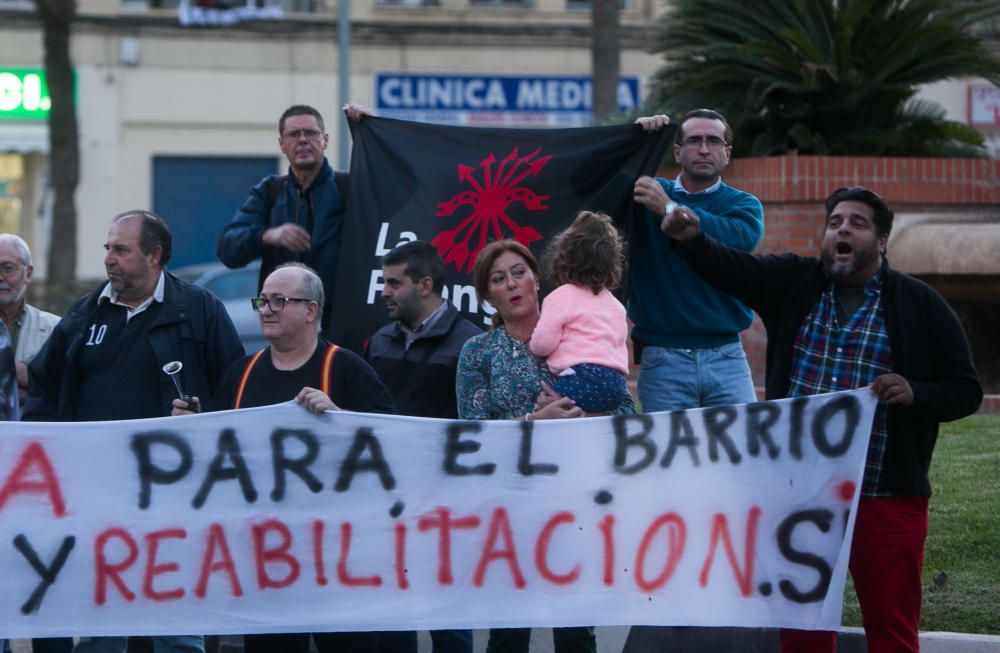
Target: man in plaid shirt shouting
842, 321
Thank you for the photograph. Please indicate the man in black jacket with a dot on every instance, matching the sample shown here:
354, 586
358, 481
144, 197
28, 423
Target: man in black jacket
105, 358
416, 356
298, 217
846, 320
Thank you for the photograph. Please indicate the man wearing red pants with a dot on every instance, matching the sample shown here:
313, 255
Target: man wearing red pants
842, 321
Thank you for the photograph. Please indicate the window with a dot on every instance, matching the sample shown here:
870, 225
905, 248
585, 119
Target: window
410, 3
501, 3
585, 4
11, 189
290, 6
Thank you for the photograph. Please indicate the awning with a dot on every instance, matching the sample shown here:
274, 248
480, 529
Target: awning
24, 137
943, 248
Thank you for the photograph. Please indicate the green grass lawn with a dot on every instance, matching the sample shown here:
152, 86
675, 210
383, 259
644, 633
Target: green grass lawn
962, 564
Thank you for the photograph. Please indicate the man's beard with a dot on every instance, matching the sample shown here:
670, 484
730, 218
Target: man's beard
841, 271
7, 300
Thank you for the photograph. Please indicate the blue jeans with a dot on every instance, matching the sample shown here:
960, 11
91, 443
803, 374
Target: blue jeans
594, 388
166, 644
674, 378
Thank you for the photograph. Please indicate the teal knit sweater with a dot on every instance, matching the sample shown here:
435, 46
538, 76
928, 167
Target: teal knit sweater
668, 303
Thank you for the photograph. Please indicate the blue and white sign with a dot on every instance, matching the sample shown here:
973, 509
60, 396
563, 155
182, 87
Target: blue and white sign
494, 100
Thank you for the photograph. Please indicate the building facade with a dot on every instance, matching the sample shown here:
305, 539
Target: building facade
177, 102
177, 99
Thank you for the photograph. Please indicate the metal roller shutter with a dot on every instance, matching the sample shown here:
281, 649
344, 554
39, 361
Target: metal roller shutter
197, 196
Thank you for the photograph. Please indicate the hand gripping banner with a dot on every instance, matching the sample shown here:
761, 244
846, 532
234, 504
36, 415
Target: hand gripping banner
273, 519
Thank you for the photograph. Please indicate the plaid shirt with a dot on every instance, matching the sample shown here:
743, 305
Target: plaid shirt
828, 357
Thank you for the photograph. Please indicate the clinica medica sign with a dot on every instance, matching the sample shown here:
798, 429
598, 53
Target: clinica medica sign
495, 100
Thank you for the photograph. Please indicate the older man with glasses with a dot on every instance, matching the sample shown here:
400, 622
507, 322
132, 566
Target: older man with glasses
320, 376
29, 327
298, 216
686, 334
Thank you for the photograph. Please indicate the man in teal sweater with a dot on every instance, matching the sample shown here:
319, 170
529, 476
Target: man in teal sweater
687, 334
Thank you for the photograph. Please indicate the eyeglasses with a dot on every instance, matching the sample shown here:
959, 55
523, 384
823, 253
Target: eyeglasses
9, 270
310, 134
713, 142
276, 303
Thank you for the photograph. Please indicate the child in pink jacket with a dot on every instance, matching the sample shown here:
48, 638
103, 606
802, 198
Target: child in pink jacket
582, 329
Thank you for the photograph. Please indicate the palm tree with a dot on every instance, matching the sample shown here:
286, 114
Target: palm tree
826, 76
605, 56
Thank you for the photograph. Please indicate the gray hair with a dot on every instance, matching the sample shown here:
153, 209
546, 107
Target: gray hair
23, 252
311, 287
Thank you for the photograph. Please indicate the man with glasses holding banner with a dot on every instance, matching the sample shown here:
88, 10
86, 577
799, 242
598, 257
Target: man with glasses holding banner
686, 337
687, 334
320, 376
299, 216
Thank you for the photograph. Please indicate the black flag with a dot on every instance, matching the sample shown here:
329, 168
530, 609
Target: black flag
460, 188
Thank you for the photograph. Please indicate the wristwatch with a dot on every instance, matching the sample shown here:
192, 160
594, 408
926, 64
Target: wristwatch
669, 208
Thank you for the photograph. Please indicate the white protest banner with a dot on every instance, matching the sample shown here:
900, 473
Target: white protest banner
273, 519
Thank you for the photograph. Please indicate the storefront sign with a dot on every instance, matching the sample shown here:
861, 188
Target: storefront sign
24, 94
494, 100
984, 104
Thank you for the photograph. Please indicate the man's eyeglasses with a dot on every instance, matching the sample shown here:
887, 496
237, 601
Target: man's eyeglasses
276, 303
310, 134
713, 142
10, 269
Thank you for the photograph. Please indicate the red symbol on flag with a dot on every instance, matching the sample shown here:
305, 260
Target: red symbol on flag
492, 194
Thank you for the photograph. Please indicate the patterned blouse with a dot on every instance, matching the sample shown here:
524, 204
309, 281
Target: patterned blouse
499, 378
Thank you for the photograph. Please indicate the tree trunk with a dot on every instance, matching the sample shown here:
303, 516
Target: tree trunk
605, 57
64, 152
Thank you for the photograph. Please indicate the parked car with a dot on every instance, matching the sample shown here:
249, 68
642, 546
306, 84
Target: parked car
234, 288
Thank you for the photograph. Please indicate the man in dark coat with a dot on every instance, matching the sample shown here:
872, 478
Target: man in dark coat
298, 217
105, 358
846, 320
416, 356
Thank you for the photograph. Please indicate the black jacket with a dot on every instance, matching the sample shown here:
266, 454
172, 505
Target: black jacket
319, 209
421, 380
192, 326
929, 347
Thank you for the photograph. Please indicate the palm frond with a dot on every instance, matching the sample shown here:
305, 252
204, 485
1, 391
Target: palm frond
825, 76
